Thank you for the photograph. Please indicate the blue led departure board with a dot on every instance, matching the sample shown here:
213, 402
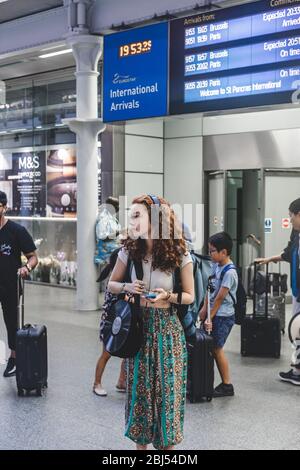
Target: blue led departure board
242, 56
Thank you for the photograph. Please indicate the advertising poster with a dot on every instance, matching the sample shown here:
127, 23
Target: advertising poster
23, 179
61, 183
42, 183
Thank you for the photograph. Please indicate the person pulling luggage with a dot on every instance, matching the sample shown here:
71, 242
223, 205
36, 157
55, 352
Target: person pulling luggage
224, 281
291, 254
14, 240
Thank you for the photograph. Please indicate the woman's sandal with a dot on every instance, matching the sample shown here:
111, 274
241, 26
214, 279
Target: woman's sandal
98, 390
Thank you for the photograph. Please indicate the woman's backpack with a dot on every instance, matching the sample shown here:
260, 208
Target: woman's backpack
188, 314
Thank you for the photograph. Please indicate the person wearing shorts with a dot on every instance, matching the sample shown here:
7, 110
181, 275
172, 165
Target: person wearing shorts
224, 283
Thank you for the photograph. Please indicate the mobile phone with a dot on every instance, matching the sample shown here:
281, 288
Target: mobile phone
150, 295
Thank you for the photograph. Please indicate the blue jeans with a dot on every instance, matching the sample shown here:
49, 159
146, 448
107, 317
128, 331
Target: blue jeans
222, 326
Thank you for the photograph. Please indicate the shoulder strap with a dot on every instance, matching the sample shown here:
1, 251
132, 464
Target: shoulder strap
177, 285
226, 269
138, 267
128, 270
232, 298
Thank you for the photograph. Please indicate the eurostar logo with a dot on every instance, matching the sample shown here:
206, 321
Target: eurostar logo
122, 79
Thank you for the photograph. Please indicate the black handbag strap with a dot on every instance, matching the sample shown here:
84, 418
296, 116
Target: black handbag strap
177, 285
138, 267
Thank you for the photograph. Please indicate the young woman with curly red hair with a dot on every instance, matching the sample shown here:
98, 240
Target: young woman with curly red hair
156, 376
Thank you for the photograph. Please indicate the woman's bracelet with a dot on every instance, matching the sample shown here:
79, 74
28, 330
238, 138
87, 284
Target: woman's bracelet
122, 291
169, 293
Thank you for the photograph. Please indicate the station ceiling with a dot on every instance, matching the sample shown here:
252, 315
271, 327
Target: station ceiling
13, 9
29, 63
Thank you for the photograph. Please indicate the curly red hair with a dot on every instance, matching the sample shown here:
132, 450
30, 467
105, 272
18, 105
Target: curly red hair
167, 251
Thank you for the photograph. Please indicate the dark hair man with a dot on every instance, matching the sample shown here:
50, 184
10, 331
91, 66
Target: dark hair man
14, 240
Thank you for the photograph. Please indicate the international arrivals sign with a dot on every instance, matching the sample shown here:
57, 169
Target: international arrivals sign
136, 73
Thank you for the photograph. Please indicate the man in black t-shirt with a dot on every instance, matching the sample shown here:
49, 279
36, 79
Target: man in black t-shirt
14, 240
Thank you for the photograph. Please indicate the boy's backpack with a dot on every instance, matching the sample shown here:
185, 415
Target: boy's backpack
240, 304
188, 314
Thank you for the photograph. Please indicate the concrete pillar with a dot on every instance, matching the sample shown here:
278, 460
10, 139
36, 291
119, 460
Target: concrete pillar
87, 126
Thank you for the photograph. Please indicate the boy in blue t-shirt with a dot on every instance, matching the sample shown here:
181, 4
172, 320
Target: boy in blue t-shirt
224, 281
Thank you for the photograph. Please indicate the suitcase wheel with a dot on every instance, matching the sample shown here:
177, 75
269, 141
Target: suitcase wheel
45, 385
208, 399
283, 331
20, 392
243, 353
39, 392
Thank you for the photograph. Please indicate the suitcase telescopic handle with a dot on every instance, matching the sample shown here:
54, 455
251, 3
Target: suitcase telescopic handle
254, 288
267, 291
255, 292
209, 287
20, 300
279, 280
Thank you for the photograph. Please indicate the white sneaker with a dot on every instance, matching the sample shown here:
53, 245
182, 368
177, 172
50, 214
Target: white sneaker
98, 390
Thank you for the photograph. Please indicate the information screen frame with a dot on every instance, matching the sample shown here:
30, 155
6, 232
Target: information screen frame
182, 102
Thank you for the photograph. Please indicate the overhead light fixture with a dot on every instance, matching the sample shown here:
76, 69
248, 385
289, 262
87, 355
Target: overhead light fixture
52, 54
52, 47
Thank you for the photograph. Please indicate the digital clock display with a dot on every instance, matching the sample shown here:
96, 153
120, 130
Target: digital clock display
135, 48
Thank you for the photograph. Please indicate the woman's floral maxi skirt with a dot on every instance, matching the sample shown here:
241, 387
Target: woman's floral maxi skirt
156, 382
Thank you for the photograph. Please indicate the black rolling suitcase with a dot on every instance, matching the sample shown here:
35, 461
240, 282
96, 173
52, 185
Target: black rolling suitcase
31, 353
200, 377
260, 335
